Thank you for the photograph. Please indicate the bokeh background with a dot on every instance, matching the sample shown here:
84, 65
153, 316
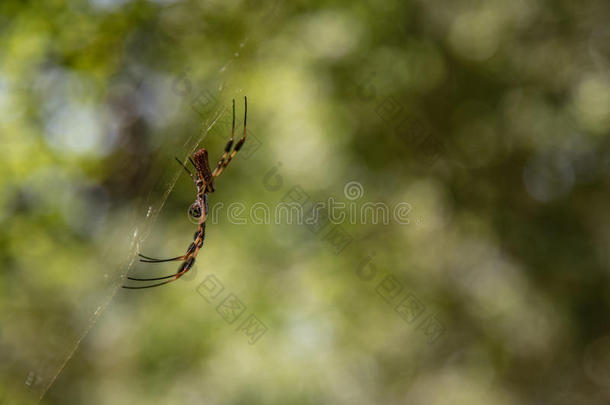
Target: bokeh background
487, 121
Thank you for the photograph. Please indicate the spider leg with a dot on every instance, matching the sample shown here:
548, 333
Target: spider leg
148, 286
206, 207
185, 168
193, 246
228, 146
147, 259
186, 266
222, 164
199, 238
151, 279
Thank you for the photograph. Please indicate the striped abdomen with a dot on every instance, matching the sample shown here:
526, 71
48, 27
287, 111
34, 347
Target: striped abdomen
203, 167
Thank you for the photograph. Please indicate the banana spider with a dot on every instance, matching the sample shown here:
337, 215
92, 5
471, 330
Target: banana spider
204, 181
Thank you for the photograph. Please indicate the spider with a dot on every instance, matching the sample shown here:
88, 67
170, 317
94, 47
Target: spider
204, 181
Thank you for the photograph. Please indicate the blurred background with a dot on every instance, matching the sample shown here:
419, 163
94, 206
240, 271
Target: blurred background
476, 132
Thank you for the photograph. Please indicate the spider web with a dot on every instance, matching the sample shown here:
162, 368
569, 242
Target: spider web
138, 237
48, 373
45, 368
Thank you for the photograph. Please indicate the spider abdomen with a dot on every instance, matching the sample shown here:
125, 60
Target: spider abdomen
203, 166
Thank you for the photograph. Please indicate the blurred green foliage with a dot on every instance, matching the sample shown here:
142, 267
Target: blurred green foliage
489, 121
